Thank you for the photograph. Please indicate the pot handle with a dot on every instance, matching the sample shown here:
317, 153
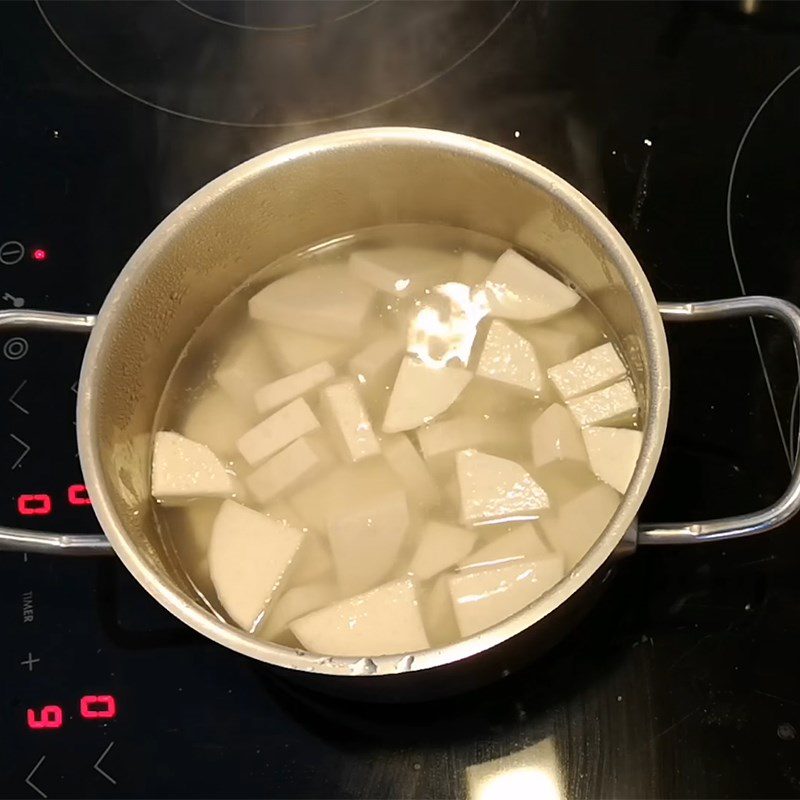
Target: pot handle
46, 542
789, 503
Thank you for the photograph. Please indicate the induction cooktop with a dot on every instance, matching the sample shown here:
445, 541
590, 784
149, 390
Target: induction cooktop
680, 121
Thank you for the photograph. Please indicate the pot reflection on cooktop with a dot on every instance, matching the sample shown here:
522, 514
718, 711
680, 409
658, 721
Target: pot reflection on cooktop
271, 64
531, 772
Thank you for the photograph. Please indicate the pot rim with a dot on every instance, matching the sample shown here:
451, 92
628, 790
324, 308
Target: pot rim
290, 658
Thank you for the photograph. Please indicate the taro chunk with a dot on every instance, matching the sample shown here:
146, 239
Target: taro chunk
384, 621
184, 470
518, 289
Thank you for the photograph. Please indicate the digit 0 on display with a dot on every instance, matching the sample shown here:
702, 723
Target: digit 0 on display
77, 495
34, 505
100, 706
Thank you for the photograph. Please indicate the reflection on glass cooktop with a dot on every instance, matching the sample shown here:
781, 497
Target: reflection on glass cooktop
680, 121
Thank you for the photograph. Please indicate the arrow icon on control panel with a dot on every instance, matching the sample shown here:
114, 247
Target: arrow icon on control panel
31, 783
97, 765
24, 452
13, 401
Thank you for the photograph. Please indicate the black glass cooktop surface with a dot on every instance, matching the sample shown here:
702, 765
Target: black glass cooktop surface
680, 121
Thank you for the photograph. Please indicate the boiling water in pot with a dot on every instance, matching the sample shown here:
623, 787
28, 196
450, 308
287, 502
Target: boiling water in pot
391, 441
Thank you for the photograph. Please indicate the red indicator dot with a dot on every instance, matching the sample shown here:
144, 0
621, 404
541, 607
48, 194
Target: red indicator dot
49, 717
77, 496
34, 505
39, 254
100, 706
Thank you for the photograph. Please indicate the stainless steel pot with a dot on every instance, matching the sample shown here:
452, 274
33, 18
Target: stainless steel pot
310, 191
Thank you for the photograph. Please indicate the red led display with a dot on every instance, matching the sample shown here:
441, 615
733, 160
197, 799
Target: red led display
34, 505
100, 706
41, 504
39, 254
49, 717
77, 496
93, 706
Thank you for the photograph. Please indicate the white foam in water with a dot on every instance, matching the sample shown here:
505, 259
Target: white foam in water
384, 419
